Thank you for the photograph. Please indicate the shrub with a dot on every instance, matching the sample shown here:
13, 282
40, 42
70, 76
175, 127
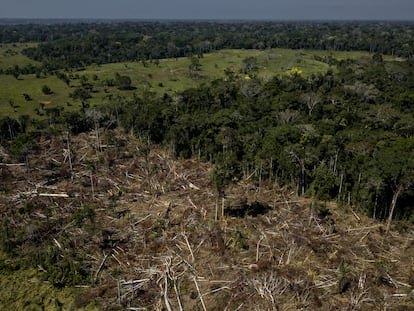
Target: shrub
46, 90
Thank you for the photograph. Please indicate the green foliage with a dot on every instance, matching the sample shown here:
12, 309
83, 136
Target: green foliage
343, 279
9, 128
218, 179
81, 93
325, 184
377, 58
6, 236
77, 122
21, 145
239, 241
226, 169
27, 97
78, 45
46, 90
172, 74
83, 214
194, 64
64, 77
249, 65
322, 211
7, 266
63, 268
123, 82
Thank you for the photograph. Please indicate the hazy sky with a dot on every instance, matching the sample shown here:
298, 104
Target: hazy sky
210, 9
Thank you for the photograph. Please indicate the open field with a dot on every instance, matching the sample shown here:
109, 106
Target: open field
168, 76
10, 55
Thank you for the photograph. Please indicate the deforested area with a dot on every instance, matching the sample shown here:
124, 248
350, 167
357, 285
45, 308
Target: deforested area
136, 228
273, 171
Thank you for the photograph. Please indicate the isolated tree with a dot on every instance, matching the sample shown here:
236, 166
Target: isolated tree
16, 72
46, 90
194, 67
27, 97
123, 82
81, 93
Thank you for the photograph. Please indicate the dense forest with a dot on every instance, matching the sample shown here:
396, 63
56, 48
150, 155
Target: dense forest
346, 135
71, 45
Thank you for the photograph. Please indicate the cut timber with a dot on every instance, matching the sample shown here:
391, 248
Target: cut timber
199, 294
189, 247
55, 195
35, 193
166, 293
395, 196
101, 265
355, 214
192, 186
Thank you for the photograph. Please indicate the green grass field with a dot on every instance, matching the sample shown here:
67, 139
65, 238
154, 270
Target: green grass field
11, 55
169, 76
22, 289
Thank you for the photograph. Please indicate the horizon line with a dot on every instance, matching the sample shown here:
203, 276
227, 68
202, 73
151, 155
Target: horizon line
10, 20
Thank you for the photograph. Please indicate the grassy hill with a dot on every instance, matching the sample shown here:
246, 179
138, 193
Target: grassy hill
11, 55
168, 76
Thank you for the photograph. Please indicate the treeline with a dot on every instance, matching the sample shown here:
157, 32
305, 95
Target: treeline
70, 45
346, 135
16, 70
